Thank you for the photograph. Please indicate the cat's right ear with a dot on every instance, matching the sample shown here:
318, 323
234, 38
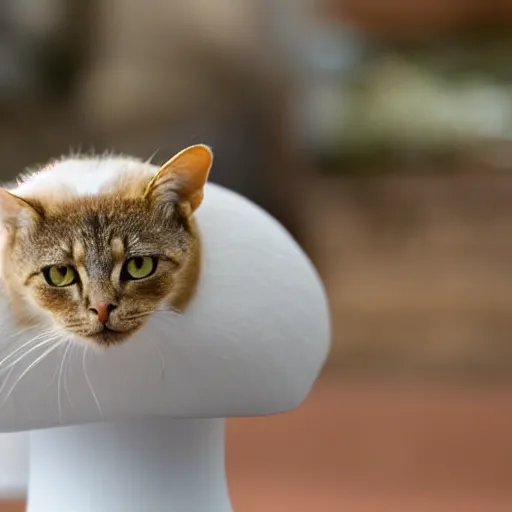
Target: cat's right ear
181, 180
15, 211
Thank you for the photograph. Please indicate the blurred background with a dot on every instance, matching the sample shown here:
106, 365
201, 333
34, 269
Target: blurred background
379, 133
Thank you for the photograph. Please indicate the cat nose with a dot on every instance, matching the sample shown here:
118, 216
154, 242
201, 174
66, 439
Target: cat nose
103, 310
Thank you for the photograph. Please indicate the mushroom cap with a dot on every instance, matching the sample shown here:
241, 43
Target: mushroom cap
252, 342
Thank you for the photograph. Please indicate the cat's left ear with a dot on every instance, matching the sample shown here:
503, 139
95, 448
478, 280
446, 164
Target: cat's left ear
181, 180
16, 211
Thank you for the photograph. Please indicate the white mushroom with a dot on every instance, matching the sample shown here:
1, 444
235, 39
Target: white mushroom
139, 426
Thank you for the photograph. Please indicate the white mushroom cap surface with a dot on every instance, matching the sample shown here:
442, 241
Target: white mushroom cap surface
252, 342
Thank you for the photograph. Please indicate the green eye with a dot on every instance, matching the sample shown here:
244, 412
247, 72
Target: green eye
60, 275
138, 268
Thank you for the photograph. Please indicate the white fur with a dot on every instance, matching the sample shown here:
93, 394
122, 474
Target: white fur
82, 176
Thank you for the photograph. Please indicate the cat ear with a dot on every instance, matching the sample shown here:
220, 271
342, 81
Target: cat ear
14, 210
182, 178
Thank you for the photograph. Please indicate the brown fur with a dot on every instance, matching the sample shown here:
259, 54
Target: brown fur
135, 215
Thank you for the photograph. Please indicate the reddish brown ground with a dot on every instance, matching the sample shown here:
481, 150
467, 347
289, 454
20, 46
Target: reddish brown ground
376, 447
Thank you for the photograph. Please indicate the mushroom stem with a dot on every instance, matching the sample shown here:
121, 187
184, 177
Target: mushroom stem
156, 464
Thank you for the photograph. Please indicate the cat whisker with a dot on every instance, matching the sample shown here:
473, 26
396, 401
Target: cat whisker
27, 352
32, 365
54, 376
20, 332
162, 358
163, 329
168, 320
66, 389
162, 318
76, 325
135, 317
6, 380
27, 343
93, 393
59, 379
168, 309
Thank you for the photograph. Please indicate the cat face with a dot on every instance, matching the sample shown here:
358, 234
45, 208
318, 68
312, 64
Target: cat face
100, 266
101, 271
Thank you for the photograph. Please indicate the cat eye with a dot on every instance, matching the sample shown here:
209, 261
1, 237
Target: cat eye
60, 275
138, 268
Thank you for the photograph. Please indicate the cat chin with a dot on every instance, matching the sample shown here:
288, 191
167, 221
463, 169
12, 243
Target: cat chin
106, 338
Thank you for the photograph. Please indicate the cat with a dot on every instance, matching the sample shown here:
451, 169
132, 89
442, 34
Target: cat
94, 246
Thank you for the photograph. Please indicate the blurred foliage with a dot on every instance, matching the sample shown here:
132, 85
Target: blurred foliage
421, 100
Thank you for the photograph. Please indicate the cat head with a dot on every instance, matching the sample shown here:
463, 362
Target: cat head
98, 266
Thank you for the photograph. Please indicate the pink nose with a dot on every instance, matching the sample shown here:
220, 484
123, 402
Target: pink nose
103, 310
